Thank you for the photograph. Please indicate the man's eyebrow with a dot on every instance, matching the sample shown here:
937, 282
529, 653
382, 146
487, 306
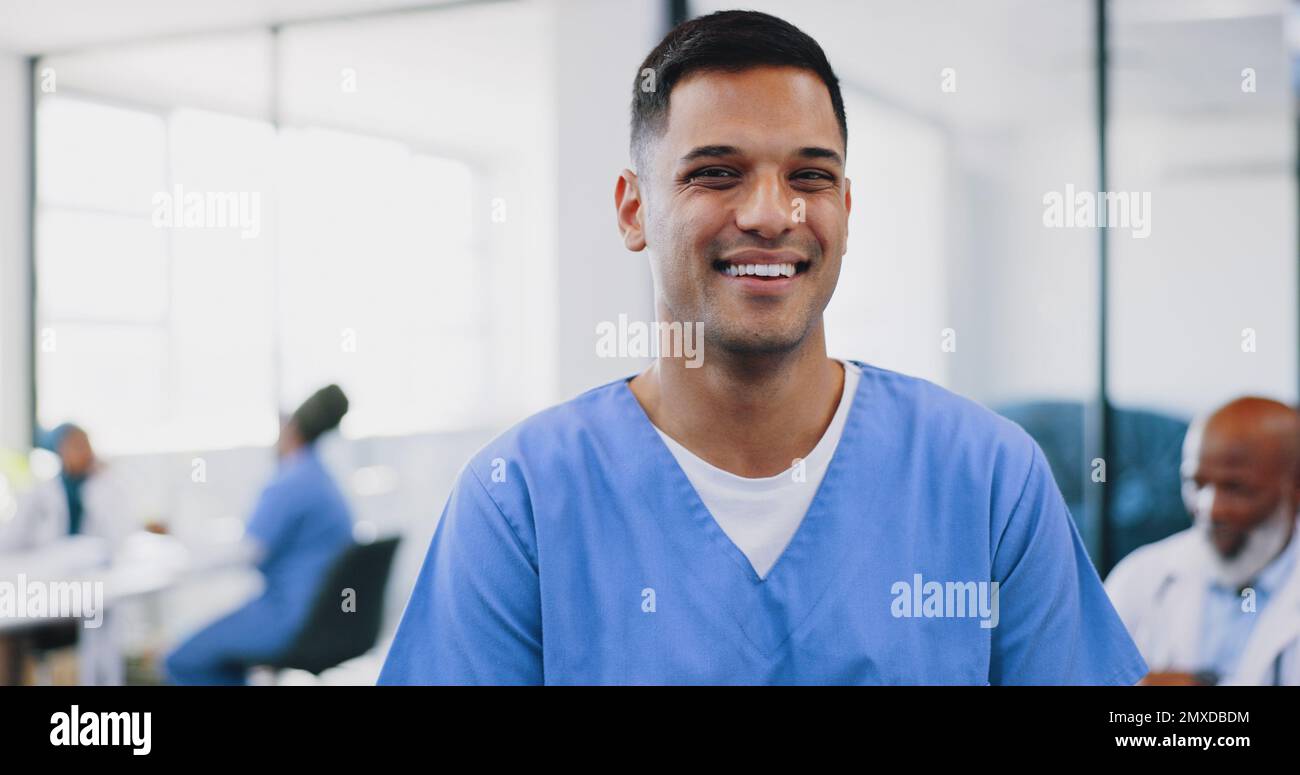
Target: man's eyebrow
718, 151
813, 152
710, 151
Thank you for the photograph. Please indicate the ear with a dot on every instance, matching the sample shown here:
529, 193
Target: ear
848, 210
627, 203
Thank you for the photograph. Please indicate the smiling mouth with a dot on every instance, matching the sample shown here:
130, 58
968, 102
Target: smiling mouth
769, 271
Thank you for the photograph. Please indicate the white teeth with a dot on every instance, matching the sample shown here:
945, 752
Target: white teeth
761, 270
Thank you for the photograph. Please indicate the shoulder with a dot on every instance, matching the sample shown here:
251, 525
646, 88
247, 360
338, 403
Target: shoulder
554, 445
554, 434
1153, 561
109, 485
944, 423
44, 489
304, 467
931, 406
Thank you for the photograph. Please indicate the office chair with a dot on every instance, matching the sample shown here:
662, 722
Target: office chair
1146, 502
334, 632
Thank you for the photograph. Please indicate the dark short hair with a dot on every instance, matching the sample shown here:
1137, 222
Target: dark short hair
726, 41
321, 412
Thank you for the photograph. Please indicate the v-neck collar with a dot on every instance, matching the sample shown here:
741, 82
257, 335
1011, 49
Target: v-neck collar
768, 609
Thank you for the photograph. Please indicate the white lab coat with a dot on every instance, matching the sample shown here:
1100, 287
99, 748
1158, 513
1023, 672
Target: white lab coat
1159, 592
42, 520
42, 515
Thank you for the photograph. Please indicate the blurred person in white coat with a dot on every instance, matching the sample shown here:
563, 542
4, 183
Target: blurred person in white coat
83, 499
1219, 602
80, 515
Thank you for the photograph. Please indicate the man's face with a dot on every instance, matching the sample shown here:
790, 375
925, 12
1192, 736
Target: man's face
1250, 476
749, 171
76, 453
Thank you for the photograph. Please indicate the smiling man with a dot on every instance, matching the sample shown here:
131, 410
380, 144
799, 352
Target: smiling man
774, 516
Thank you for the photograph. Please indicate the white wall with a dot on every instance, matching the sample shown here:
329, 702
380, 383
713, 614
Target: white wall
892, 300
14, 298
1221, 258
598, 46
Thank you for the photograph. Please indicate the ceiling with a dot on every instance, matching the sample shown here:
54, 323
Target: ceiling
1016, 60
1035, 59
31, 27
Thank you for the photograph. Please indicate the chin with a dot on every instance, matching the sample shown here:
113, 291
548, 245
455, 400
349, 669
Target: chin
750, 343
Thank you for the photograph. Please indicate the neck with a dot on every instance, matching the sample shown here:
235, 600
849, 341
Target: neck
750, 414
294, 450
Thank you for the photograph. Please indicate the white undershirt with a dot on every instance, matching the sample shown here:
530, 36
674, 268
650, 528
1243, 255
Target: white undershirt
760, 516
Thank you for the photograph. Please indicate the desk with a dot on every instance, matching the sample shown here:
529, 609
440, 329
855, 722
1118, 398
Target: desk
79, 577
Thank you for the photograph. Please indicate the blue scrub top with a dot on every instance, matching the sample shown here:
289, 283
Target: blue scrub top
303, 523
574, 550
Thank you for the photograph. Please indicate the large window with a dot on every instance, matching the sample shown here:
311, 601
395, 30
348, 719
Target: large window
375, 202
200, 271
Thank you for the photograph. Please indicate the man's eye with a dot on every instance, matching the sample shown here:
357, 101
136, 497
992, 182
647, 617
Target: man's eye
711, 172
814, 175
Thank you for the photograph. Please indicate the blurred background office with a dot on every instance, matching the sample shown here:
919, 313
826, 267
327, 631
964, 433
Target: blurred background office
426, 200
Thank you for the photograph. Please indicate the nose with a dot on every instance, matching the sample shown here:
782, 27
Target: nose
1209, 508
1213, 513
767, 209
